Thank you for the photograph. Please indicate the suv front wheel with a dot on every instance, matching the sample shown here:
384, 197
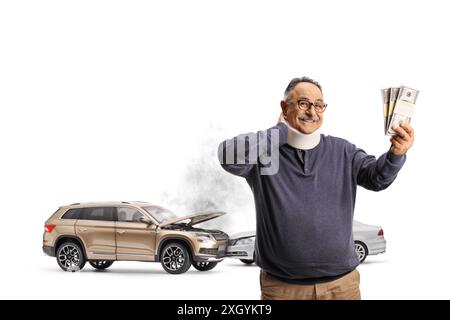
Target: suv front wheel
70, 257
175, 258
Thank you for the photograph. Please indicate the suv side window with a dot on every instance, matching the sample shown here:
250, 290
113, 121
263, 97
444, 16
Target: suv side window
126, 214
72, 214
98, 213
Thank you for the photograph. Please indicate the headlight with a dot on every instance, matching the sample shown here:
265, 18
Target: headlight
245, 241
203, 237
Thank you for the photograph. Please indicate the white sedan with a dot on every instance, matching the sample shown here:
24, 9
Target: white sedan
369, 240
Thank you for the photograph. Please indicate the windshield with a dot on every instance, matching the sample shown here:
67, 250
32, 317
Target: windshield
160, 214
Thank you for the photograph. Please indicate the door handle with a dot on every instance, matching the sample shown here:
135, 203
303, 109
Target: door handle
121, 231
82, 229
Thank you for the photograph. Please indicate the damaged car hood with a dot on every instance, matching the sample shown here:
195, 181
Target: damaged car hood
194, 218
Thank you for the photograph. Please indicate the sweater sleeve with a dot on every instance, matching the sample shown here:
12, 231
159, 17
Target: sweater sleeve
376, 174
242, 154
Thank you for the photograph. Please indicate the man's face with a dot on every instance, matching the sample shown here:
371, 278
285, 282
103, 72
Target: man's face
305, 121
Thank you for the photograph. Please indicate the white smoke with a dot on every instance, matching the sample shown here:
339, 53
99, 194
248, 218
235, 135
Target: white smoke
204, 185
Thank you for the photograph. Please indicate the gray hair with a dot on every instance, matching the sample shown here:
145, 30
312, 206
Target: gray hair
296, 81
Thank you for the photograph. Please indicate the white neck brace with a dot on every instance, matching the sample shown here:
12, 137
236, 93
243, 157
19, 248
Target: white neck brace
300, 140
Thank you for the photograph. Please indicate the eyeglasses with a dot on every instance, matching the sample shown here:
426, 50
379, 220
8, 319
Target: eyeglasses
319, 107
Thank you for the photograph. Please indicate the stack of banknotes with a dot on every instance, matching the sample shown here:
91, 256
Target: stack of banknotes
398, 107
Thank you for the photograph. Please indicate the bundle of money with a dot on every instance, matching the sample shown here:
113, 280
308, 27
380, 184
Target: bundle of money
398, 107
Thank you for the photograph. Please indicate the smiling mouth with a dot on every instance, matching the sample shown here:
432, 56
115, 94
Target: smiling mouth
307, 120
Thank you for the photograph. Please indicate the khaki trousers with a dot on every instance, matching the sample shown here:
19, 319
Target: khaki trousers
345, 288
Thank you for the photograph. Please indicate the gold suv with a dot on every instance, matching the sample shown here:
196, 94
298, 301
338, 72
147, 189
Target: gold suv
104, 232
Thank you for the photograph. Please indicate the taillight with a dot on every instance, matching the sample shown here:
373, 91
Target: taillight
49, 227
380, 233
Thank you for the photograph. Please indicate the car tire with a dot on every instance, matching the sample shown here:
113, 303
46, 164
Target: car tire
361, 251
70, 257
247, 261
204, 265
175, 258
101, 264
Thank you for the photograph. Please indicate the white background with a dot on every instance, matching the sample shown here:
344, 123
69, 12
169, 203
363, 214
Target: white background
127, 100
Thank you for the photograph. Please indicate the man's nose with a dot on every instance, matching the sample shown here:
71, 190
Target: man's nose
311, 110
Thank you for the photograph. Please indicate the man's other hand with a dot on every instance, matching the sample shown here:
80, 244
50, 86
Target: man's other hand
403, 140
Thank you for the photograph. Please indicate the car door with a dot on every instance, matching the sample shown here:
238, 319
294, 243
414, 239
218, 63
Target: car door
96, 228
135, 239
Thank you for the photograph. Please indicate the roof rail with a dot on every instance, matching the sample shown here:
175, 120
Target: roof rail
74, 204
126, 202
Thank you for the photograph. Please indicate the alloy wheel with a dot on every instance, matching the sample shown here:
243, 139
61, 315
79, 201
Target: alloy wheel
69, 256
360, 251
173, 258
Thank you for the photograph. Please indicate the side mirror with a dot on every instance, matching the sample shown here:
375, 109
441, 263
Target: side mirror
145, 220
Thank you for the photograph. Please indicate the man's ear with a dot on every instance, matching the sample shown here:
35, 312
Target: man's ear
284, 107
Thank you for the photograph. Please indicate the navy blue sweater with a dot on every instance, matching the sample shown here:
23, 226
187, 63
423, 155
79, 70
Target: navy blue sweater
304, 212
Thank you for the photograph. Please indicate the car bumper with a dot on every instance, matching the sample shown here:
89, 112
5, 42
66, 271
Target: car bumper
48, 250
211, 254
207, 259
377, 246
241, 252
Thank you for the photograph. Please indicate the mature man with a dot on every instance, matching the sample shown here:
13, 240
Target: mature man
304, 210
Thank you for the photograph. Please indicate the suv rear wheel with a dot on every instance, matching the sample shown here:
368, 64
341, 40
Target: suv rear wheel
70, 257
101, 264
175, 258
204, 265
